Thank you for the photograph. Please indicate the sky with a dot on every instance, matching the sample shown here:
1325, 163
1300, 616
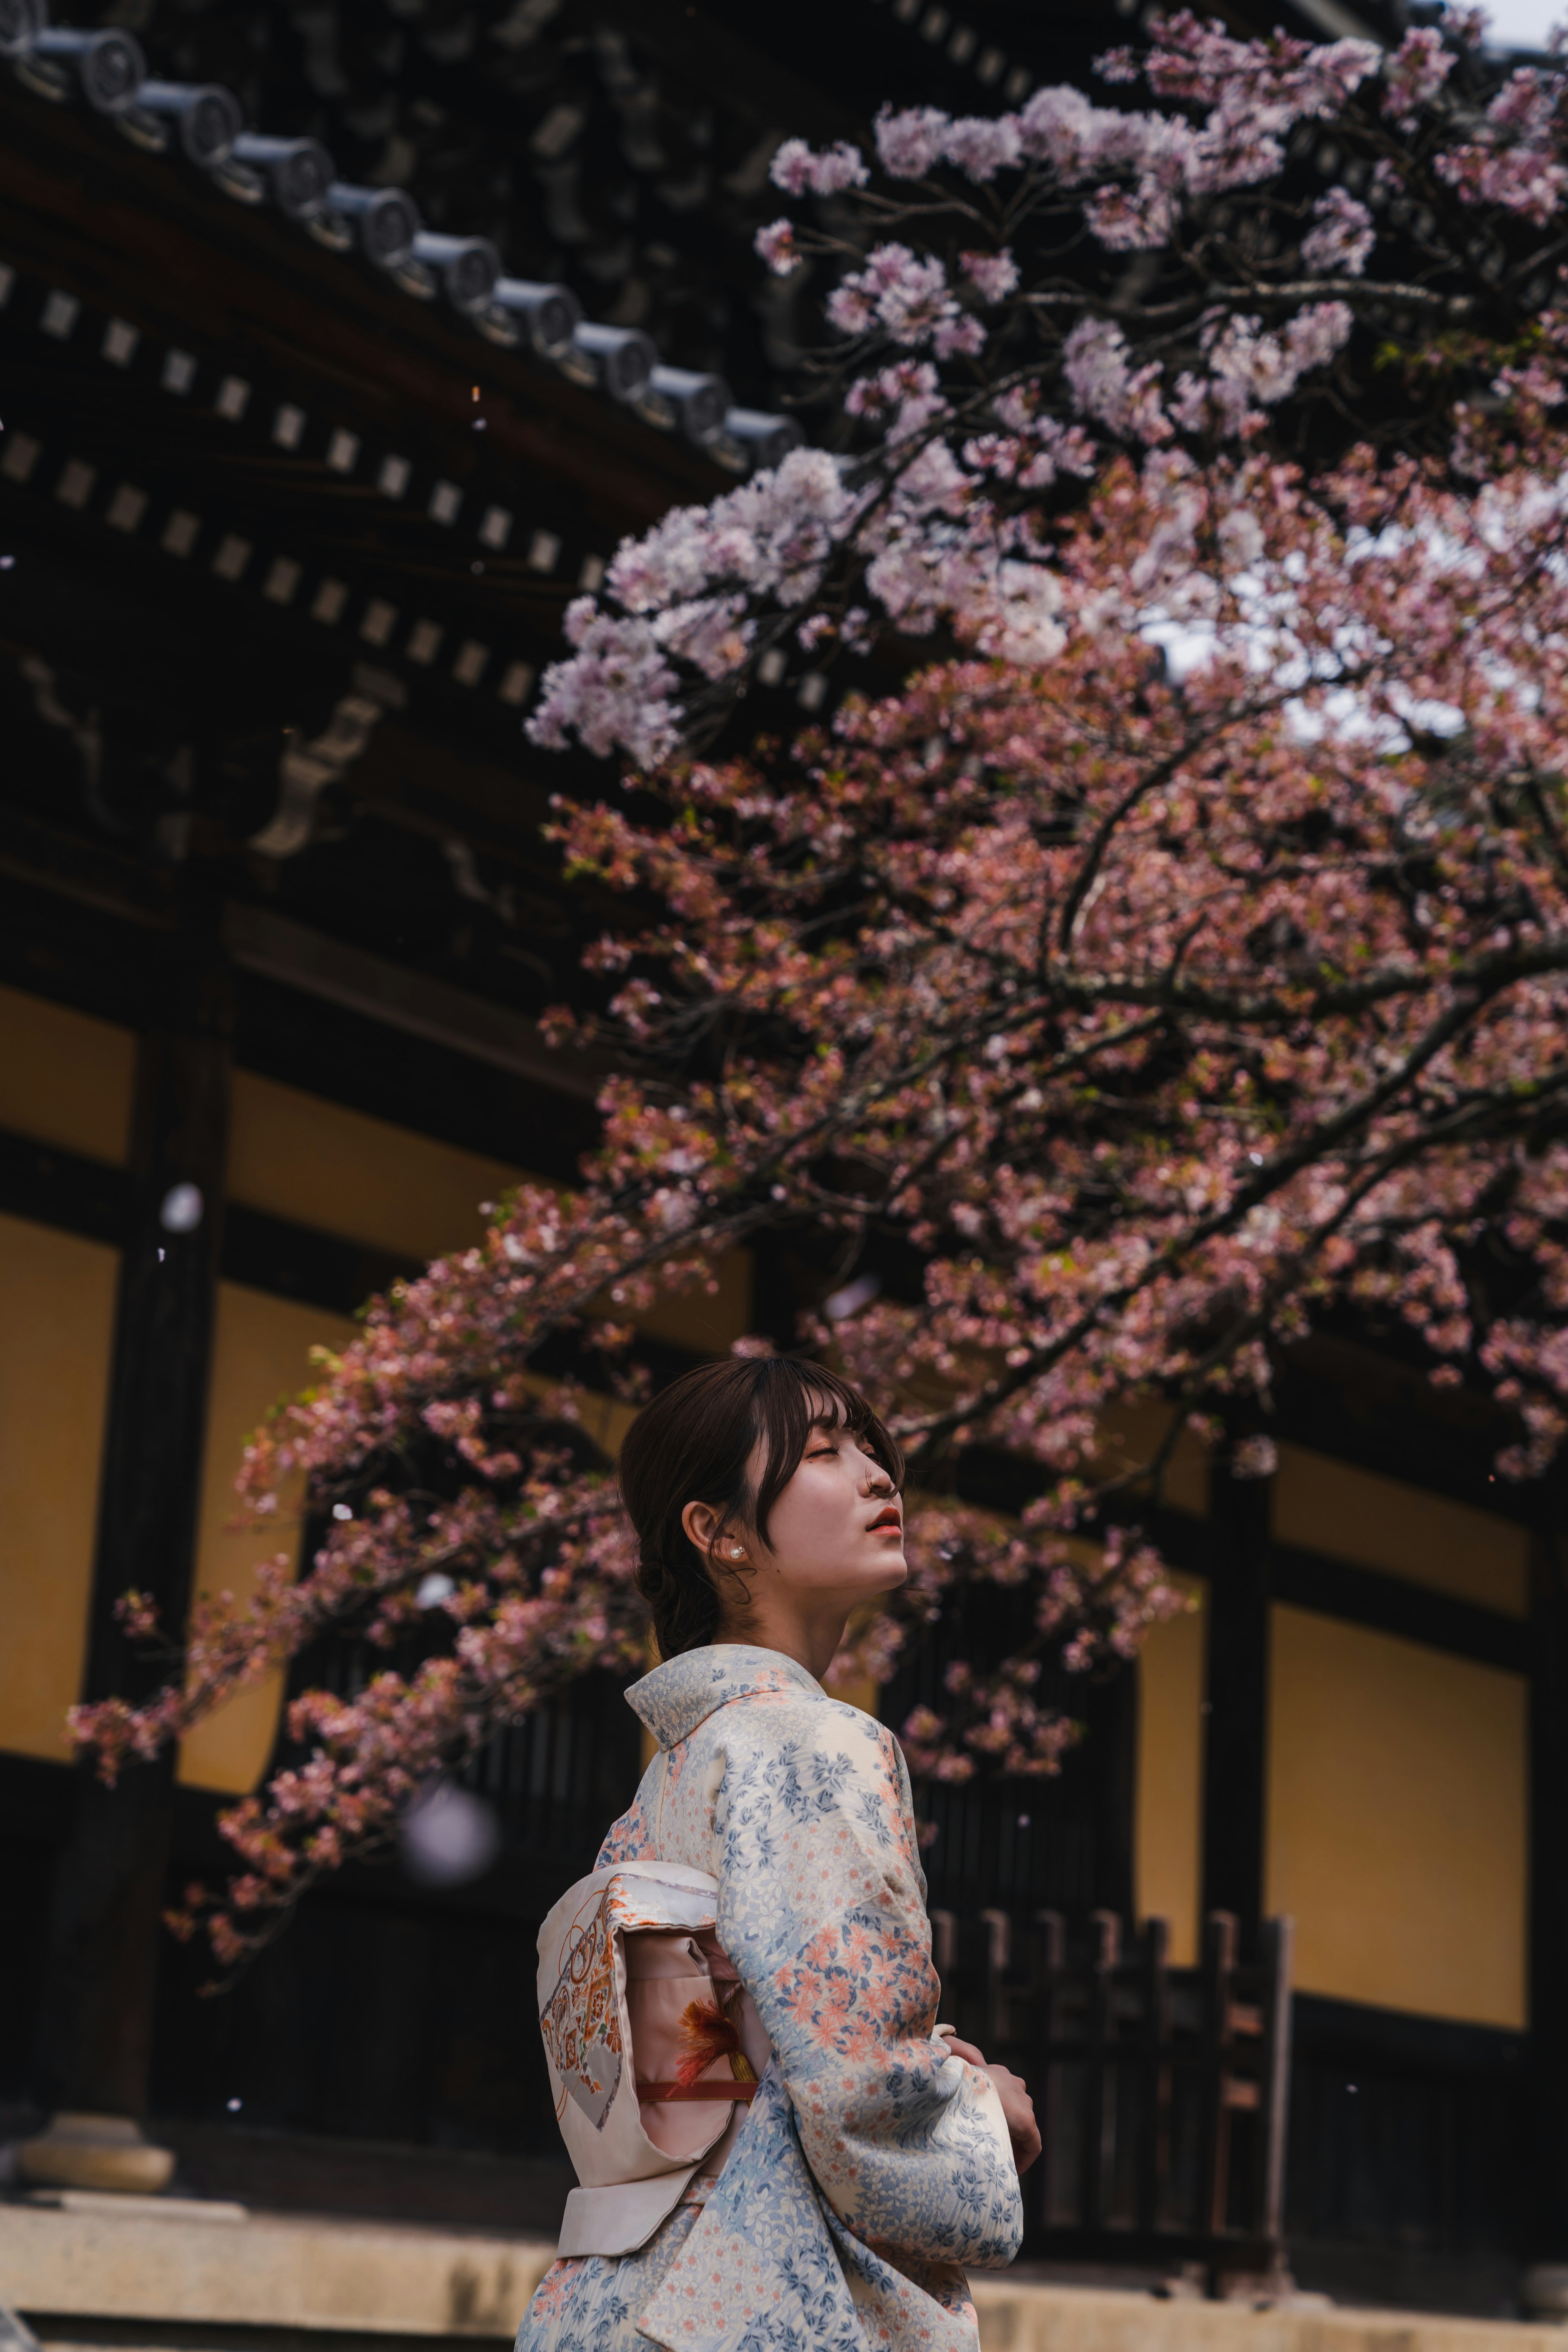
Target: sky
1523, 24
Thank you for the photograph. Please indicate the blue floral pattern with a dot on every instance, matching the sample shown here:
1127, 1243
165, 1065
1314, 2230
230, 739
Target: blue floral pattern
873, 2166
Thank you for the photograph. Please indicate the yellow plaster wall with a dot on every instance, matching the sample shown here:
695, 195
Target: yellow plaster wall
1167, 1835
1397, 1819
65, 1079
319, 1163
261, 1353
1131, 1434
607, 1421
57, 1321
1356, 1515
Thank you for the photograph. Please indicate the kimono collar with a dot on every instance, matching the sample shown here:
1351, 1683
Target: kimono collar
677, 1697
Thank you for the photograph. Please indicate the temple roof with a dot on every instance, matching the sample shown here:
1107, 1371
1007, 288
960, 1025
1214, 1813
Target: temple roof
287, 530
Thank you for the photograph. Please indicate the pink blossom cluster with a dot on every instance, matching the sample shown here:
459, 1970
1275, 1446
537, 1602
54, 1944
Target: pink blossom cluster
1342, 237
799, 172
1413, 74
905, 296
1159, 1009
1092, 1607
1034, 374
685, 589
1183, 960
1514, 163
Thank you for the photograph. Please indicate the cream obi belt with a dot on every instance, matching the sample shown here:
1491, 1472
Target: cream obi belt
651, 2041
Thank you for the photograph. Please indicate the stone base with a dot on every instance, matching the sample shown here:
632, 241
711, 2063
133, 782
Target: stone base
100, 2152
1544, 2294
275, 2284
126, 2205
105, 2280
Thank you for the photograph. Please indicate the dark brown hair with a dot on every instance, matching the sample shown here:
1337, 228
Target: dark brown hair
693, 1444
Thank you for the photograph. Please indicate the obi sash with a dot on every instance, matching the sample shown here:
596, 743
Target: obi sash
651, 2042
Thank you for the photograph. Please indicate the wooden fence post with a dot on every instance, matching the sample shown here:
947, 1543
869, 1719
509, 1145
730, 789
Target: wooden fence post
1218, 1968
1051, 1944
1100, 2033
1278, 1950
1154, 2153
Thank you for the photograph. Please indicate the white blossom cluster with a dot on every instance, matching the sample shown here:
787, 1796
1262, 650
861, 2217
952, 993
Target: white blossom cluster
975, 380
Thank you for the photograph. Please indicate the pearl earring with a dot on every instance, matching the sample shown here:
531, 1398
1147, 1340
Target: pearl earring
737, 1551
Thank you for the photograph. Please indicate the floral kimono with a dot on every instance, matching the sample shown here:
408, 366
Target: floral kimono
871, 2165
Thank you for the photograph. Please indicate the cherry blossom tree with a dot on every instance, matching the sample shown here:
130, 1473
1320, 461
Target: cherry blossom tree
1292, 246
1176, 958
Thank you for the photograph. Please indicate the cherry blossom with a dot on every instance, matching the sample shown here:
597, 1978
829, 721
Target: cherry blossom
1282, 311
1415, 74
1176, 960
777, 247
798, 171
1152, 1010
1343, 235
993, 276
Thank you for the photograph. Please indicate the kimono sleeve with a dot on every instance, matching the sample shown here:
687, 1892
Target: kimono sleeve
821, 1908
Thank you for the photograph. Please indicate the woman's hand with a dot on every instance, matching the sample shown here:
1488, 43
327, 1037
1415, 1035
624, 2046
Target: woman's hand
1017, 2107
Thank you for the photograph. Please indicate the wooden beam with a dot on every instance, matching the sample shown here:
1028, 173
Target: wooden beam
1237, 1702
93, 873
1374, 1407
110, 1888
279, 949
51, 1186
120, 228
1362, 1596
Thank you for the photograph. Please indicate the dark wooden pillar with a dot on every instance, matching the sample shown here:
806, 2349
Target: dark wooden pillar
1548, 1986
1236, 1750
108, 1894
781, 1285
1113, 1774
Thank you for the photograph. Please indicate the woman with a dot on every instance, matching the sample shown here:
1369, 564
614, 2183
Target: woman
875, 2159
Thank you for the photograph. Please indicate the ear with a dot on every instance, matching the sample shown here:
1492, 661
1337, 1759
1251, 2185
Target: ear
700, 1523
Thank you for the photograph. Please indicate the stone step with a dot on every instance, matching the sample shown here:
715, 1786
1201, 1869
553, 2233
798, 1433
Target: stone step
89, 2275
268, 2271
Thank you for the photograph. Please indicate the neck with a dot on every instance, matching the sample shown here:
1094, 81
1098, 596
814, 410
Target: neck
809, 1636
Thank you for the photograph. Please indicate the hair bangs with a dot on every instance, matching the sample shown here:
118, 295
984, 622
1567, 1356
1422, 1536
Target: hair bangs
794, 1398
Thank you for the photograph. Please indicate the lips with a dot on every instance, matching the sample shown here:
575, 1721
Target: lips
888, 1518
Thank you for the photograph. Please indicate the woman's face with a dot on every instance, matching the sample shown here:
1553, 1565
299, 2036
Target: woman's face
837, 1529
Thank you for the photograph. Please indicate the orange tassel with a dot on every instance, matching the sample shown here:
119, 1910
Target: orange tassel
709, 2035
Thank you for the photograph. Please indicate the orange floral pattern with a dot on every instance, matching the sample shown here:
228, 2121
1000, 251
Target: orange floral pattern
580, 2021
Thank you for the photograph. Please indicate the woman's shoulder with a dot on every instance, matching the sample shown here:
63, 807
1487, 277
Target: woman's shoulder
808, 1788
812, 1720
792, 1748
